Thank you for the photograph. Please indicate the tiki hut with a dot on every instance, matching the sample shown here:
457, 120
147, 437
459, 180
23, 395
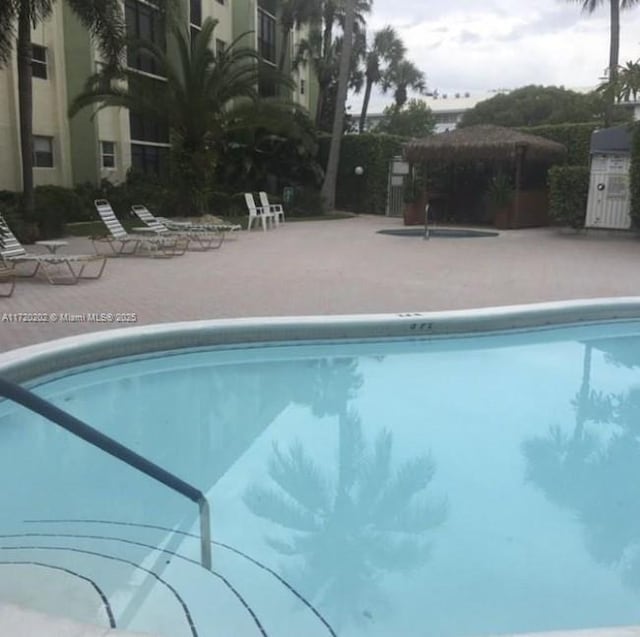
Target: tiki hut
486, 174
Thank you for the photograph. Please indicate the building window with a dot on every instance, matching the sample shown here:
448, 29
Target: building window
42, 152
148, 159
39, 61
193, 33
267, 36
195, 20
220, 2
270, 6
145, 22
302, 87
108, 151
196, 13
220, 45
144, 129
149, 145
267, 86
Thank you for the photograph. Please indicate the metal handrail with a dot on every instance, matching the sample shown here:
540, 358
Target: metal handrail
95, 438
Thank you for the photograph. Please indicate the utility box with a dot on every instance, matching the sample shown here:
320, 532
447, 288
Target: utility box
609, 202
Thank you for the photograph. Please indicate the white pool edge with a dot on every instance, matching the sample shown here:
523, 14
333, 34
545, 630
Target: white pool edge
56, 355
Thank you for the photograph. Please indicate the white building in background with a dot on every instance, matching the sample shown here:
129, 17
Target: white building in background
449, 108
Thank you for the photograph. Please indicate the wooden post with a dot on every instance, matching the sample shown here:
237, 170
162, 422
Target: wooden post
520, 153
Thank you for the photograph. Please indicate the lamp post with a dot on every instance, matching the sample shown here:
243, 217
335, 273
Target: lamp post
359, 171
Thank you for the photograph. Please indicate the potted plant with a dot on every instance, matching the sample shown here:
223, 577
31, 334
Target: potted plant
500, 200
415, 198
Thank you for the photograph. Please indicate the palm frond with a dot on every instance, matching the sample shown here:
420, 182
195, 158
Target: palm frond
300, 478
270, 505
8, 20
376, 471
104, 19
409, 480
416, 517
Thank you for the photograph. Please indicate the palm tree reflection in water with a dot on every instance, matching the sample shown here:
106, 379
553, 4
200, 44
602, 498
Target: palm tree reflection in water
351, 525
594, 470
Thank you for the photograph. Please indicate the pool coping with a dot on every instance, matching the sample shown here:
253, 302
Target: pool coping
53, 356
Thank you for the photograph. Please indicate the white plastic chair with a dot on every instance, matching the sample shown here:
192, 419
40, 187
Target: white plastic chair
258, 214
276, 209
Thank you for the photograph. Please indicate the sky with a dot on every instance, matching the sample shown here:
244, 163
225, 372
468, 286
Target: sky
482, 45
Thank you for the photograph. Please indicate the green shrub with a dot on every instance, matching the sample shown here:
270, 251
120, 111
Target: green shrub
10, 209
568, 194
54, 207
366, 193
576, 137
219, 203
634, 176
306, 202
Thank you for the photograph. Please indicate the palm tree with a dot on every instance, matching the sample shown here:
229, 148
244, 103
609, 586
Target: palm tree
205, 95
326, 65
331, 175
401, 77
614, 43
295, 13
353, 524
105, 22
387, 48
334, 12
629, 81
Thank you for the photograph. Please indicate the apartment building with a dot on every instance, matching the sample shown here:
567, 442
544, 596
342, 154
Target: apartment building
105, 145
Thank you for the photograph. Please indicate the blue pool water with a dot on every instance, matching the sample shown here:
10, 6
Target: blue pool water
450, 487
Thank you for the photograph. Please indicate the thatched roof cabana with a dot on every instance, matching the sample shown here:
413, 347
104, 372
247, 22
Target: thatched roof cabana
483, 143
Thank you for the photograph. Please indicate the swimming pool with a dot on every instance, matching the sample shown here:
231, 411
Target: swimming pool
455, 474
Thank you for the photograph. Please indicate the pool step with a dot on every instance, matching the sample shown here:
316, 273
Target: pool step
152, 580
21, 622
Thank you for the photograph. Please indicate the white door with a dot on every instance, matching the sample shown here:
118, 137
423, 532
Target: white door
609, 198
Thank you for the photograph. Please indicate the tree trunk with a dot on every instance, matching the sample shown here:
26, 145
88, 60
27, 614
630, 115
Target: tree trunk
327, 35
25, 106
401, 96
614, 53
285, 46
331, 176
365, 105
320, 105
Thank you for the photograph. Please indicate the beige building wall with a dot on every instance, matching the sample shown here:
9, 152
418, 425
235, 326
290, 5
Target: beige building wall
221, 12
9, 142
49, 112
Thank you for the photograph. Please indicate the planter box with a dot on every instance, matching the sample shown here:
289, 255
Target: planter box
414, 213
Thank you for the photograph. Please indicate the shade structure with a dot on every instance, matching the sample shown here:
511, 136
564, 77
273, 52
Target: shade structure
483, 143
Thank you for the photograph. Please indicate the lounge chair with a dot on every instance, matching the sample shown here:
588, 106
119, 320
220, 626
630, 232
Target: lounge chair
196, 239
179, 226
13, 254
7, 277
276, 209
121, 243
258, 214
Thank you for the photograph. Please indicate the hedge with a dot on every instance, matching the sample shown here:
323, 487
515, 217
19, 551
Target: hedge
366, 193
634, 176
576, 137
568, 194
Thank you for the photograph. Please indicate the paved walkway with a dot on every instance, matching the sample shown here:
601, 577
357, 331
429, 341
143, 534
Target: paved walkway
333, 267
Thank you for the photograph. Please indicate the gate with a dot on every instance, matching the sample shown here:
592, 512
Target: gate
398, 170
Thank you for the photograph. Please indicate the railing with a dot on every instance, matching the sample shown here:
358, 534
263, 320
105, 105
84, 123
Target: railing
426, 221
80, 429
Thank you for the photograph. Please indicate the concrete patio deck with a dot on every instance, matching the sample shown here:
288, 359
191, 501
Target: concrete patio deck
330, 267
